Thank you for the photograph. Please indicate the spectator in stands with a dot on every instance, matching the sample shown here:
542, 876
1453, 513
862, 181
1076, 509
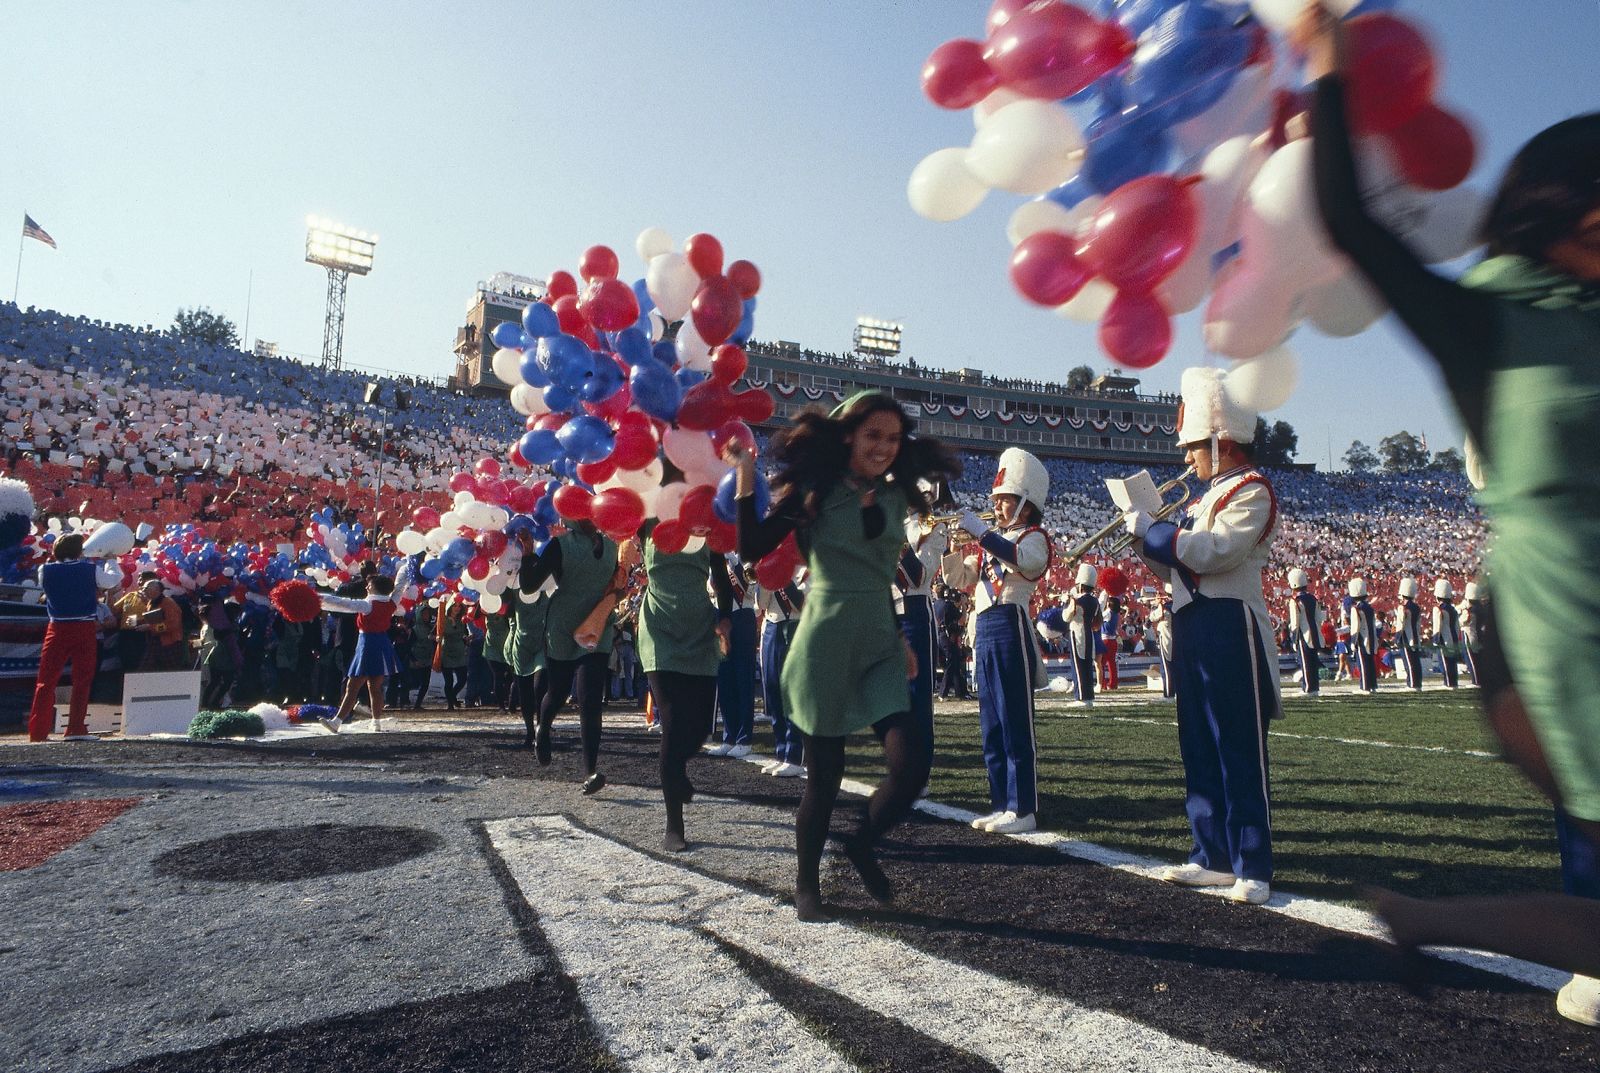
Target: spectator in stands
70, 595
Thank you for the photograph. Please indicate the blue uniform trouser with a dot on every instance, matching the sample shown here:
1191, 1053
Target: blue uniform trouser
736, 680
1169, 687
1226, 694
786, 743
917, 627
1085, 672
1412, 658
1005, 656
1580, 859
1310, 667
1472, 663
1447, 666
1366, 668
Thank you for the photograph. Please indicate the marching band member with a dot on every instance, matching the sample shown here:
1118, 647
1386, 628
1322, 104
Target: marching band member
1161, 618
913, 601
736, 677
1006, 566
1305, 629
1083, 629
780, 612
1408, 632
1223, 655
1472, 618
1363, 636
1446, 629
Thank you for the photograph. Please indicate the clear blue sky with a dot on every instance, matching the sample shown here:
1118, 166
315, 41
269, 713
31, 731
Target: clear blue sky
172, 149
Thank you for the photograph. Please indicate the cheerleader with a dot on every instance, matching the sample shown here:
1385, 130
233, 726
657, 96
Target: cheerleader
845, 485
374, 657
1006, 566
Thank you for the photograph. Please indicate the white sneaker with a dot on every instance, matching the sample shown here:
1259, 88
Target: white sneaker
718, 750
786, 771
982, 822
770, 766
1579, 1001
330, 725
654, 728
1000, 821
1017, 825
1249, 892
79, 737
739, 752
1192, 875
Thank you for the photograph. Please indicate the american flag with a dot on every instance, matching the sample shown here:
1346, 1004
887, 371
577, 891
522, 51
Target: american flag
33, 230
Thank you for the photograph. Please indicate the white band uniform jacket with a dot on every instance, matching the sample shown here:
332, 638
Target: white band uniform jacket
1306, 626
929, 552
965, 570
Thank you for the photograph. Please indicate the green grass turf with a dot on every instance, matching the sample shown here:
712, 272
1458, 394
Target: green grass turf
1344, 815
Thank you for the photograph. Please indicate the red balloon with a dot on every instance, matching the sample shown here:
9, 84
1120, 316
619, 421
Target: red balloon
956, 75
670, 537
717, 309
1142, 232
705, 406
598, 262
561, 285
551, 421
754, 407
572, 503
478, 568
776, 570
521, 499
609, 305
1434, 149
1053, 50
462, 482
731, 431
618, 512
1000, 13
722, 537
1389, 76
704, 254
425, 518
613, 407
728, 363
696, 511
531, 422
1046, 270
745, 277
487, 467
493, 543
635, 447
491, 493
1136, 331
597, 472
569, 316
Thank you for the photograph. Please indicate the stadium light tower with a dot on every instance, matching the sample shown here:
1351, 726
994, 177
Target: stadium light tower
878, 338
341, 250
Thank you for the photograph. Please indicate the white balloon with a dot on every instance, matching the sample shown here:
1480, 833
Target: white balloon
1266, 382
494, 583
942, 188
693, 351
1345, 307
658, 326
528, 400
1089, 304
671, 282
108, 575
110, 541
1280, 15
507, 365
688, 449
1032, 217
996, 100
1081, 216
409, 542
1290, 239
670, 500
463, 500
490, 602
1250, 312
641, 480
652, 242
1029, 147
451, 520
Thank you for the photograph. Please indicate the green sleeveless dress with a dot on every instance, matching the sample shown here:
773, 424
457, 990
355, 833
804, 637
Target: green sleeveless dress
584, 579
495, 630
524, 645
677, 620
846, 667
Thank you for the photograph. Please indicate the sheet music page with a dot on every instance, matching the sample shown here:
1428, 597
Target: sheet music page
1137, 492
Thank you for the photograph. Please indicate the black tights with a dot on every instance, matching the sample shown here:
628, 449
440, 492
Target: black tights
908, 752
502, 684
685, 704
589, 673
454, 679
530, 691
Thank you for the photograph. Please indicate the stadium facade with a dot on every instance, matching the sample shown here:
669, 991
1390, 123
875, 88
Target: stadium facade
1110, 420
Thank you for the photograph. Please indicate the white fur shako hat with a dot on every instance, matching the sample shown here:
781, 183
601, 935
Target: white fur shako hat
1209, 414
1024, 476
1087, 574
1443, 590
1357, 588
1408, 588
1298, 579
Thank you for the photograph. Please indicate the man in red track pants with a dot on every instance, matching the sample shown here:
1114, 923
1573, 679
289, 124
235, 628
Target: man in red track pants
69, 595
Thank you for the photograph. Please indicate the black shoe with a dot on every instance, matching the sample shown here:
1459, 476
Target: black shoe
594, 783
809, 908
674, 842
541, 746
866, 863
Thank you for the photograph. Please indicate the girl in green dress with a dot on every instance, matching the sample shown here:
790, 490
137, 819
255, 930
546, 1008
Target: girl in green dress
844, 487
524, 645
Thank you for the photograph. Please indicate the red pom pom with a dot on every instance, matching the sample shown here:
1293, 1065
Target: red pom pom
296, 601
1112, 581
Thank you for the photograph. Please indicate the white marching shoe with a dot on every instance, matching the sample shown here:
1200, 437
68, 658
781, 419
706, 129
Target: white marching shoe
1579, 1001
1015, 825
786, 771
739, 752
982, 822
1000, 821
717, 750
1192, 875
1249, 892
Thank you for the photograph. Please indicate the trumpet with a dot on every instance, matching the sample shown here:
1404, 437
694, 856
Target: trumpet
930, 522
1116, 538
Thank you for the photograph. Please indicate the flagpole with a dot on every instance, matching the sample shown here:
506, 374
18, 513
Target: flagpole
17, 284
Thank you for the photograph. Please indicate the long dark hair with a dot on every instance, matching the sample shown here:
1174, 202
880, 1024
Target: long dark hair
1550, 185
814, 455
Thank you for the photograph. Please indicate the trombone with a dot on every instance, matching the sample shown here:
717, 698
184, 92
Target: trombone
1120, 540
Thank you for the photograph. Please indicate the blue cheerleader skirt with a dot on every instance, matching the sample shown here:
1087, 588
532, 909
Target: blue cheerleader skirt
374, 656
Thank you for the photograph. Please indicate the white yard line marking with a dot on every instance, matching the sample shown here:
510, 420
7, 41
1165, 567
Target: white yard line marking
1476, 753
630, 930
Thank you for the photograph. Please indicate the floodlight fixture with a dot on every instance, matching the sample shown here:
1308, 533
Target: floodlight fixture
880, 338
341, 250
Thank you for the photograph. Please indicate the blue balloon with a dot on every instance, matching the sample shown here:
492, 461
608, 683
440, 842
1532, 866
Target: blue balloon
565, 467
539, 446
747, 324
539, 321
430, 569
1137, 16
532, 374
586, 439
560, 399
544, 512
642, 294
1072, 193
723, 505
566, 359
688, 378
666, 353
1124, 146
633, 346
1186, 61
604, 382
507, 334
655, 390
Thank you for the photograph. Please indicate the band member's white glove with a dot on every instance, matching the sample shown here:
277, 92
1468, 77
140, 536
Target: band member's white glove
1137, 522
973, 524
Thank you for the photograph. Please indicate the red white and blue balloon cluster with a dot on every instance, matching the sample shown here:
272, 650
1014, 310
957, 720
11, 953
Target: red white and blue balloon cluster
1156, 140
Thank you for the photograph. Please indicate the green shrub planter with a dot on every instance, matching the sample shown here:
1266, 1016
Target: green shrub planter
227, 724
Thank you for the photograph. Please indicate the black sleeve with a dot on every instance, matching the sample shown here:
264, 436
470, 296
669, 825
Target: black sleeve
1458, 326
759, 537
533, 573
721, 585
